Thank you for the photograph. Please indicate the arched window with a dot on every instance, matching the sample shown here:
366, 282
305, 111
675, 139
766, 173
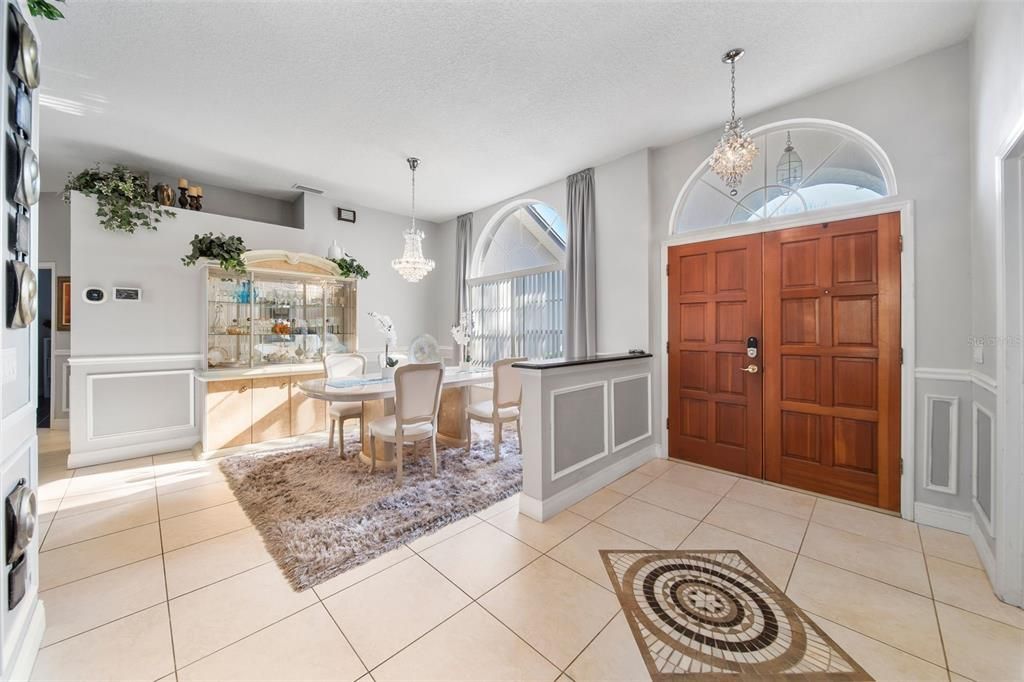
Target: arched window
804, 165
518, 284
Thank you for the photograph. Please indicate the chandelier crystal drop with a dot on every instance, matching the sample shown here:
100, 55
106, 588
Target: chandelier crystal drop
412, 265
735, 152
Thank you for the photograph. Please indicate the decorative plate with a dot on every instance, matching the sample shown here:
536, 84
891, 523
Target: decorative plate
216, 356
424, 349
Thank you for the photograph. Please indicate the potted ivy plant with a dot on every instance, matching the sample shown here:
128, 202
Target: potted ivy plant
229, 252
350, 267
124, 202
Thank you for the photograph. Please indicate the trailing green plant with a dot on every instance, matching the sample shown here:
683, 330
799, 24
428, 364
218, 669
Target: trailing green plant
350, 267
44, 9
228, 251
123, 198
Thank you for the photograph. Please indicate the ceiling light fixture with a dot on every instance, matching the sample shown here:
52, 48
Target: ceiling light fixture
735, 152
789, 172
412, 265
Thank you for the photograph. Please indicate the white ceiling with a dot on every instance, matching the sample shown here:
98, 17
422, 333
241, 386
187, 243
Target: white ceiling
496, 97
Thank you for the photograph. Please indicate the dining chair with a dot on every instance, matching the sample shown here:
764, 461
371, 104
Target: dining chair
504, 407
343, 365
417, 399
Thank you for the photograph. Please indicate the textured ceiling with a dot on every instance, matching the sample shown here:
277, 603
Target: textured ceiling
496, 97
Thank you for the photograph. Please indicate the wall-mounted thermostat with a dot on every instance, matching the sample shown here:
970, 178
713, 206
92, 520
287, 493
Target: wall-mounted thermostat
127, 294
94, 295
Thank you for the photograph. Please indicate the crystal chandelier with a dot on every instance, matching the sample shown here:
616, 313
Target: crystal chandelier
412, 265
790, 170
735, 152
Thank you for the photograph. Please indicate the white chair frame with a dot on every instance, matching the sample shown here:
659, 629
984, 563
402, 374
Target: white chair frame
496, 419
401, 420
341, 419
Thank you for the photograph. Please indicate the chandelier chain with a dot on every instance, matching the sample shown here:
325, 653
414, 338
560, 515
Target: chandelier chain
733, 97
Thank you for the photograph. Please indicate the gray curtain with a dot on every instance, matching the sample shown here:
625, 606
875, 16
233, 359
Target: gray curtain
463, 241
581, 266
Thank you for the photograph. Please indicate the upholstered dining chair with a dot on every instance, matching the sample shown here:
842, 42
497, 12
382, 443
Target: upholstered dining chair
417, 399
343, 365
504, 407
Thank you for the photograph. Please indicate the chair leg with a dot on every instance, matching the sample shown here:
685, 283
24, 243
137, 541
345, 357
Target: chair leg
519, 432
398, 460
497, 441
373, 453
433, 452
330, 436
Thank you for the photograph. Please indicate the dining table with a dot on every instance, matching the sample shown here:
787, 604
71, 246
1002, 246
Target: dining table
377, 394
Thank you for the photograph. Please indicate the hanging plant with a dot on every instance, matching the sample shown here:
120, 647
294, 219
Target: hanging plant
350, 267
44, 9
124, 200
228, 251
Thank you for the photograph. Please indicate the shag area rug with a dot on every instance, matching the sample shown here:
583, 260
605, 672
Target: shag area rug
321, 515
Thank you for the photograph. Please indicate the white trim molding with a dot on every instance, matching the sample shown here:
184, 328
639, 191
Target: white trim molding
972, 376
611, 415
953, 439
603, 385
127, 359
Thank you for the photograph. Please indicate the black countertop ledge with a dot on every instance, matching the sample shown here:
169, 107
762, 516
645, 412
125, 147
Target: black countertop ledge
572, 362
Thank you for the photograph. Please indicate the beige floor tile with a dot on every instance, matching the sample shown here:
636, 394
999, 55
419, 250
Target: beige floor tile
581, 552
386, 612
612, 656
630, 483
506, 504
771, 497
113, 475
454, 528
540, 536
876, 559
137, 647
64, 531
176, 456
656, 467
53, 483
969, 589
775, 563
980, 648
223, 613
652, 525
953, 677
775, 528
678, 498
881, 661
83, 559
99, 599
597, 504
305, 646
471, 645
479, 558
714, 482
73, 505
884, 527
362, 572
183, 475
883, 612
202, 525
204, 563
194, 499
950, 546
556, 610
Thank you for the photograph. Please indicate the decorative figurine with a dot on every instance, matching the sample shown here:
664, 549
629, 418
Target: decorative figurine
183, 190
163, 195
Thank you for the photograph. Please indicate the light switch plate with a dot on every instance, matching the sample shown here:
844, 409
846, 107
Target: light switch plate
10, 365
979, 355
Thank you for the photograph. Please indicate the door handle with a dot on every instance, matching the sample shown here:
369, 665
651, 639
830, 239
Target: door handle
752, 369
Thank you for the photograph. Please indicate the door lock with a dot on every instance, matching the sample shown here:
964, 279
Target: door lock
751, 369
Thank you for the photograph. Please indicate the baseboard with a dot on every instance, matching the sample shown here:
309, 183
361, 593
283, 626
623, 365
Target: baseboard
59, 424
122, 452
988, 560
946, 519
25, 658
542, 510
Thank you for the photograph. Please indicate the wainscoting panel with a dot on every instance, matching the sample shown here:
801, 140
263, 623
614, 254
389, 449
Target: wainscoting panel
579, 433
984, 482
140, 402
630, 423
941, 443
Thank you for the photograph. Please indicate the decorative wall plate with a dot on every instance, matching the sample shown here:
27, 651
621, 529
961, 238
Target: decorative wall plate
21, 294
216, 356
424, 349
26, 57
20, 512
27, 191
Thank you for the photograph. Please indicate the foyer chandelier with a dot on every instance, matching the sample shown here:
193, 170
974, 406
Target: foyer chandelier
735, 152
789, 172
412, 265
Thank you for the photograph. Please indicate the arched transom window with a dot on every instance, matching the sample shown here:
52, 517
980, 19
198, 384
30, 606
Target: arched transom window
803, 165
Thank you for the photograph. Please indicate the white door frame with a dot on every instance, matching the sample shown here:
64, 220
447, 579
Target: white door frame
907, 318
1008, 467
52, 267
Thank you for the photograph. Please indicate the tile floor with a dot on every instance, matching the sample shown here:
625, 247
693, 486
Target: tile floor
150, 571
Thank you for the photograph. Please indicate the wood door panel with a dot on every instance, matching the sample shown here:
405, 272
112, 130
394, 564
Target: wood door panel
228, 414
714, 306
831, 357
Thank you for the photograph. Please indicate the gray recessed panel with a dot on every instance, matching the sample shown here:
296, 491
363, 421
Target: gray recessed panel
941, 449
631, 418
984, 464
579, 426
127, 403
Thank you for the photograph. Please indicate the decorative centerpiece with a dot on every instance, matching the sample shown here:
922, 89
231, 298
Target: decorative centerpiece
386, 327
463, 334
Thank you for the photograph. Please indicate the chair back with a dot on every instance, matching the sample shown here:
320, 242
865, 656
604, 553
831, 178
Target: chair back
418, 392
344, 364
508, 386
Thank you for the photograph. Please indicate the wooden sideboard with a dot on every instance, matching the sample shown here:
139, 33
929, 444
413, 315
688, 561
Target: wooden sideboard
256, 407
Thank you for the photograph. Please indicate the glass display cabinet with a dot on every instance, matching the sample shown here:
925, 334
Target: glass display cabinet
288, 309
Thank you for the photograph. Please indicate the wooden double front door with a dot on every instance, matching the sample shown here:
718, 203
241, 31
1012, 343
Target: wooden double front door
817, 404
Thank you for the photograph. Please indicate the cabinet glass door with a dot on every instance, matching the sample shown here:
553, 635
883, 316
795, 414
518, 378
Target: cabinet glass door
228, 339
286, 325
340, 317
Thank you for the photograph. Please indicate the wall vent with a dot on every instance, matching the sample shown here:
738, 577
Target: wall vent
307, 189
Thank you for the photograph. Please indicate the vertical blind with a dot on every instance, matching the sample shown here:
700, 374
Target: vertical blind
518, 316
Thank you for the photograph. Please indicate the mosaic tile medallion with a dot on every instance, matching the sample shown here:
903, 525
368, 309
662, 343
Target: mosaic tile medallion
711, 614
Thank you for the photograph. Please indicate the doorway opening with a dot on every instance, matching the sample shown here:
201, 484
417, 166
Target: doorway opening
44, 358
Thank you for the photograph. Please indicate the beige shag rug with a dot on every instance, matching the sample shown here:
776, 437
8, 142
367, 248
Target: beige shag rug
321, 515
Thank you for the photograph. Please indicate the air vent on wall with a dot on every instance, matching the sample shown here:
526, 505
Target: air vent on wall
306, 189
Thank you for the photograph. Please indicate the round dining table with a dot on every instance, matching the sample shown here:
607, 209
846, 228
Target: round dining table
377, 394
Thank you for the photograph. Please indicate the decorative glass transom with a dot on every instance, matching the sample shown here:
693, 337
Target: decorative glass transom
531, 236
